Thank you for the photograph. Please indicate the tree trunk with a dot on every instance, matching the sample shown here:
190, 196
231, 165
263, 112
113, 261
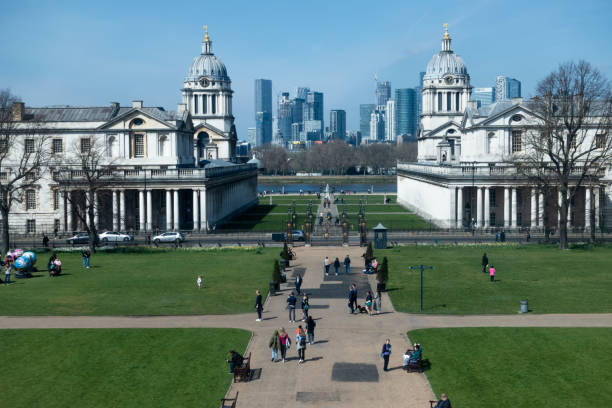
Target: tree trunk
563, 224
5, 230
92, 230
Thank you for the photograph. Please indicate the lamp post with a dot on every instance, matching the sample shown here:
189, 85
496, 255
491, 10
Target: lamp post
289, 237
421, 268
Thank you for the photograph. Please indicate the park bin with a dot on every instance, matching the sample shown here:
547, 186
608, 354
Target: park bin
524, 306
380, 236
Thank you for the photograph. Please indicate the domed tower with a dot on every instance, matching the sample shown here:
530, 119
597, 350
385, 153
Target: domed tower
446, 91
207, 93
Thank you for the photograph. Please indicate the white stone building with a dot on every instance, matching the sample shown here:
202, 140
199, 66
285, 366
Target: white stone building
169, 170
464, 176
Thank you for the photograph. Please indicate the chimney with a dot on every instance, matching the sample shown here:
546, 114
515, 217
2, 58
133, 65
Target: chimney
115, 105
18, 111
137, 104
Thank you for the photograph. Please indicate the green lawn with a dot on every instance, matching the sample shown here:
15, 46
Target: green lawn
553, 281
520, 367
117, 367
148, 283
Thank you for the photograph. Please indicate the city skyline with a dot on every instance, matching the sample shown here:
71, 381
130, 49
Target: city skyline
92, 57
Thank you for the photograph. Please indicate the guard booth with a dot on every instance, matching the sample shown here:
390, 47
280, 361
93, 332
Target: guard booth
380, 236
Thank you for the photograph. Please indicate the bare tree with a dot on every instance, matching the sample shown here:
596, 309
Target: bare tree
89, 170
273, 158
23, 158
570, 146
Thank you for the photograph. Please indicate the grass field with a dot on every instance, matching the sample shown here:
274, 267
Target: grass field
117, 367
553, 281
147, 283
520, 367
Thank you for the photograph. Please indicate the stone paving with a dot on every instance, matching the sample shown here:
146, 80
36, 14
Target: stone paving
343, 368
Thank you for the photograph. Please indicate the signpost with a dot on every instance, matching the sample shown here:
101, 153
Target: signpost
421, 268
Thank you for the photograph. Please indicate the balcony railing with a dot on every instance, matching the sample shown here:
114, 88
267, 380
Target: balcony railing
482, 169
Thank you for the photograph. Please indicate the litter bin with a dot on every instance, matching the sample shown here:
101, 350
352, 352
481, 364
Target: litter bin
524, 306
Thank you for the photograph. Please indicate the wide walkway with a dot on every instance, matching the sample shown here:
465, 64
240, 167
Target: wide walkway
343, 368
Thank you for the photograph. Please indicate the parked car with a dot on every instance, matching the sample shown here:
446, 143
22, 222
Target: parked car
168, 237
112, 236
298, 235
80, 238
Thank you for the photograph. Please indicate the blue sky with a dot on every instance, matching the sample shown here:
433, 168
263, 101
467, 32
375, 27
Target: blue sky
77, 53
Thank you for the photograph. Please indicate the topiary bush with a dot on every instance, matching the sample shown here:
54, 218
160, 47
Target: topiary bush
383, 271
276, 273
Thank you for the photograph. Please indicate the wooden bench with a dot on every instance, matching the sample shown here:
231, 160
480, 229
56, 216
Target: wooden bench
230, 401
414, 365
243, 373
432, 404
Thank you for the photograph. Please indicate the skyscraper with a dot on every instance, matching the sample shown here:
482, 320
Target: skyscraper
337, 123
263, 111
406, 111
313, 112
507, 88
383, 93
365, 113
251, 136
285, 117
301, 92
484, 96
390, 121
377, 124
419, 102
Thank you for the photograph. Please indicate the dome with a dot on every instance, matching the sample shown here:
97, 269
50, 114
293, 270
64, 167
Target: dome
207, 64
445, 62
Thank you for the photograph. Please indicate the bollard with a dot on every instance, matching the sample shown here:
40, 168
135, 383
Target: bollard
524, 306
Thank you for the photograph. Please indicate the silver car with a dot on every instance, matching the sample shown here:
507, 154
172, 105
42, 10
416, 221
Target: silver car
168, 237
112, 236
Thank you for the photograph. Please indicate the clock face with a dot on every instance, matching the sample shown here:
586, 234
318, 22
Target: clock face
204, 81
449, 80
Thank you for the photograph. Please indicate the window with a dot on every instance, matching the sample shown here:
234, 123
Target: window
448, 101
137, 122
56, 199
31, 226
213, 104
4, 175
492, 219
492, 202
439, 101
58, 146
195, 104
85, 145
204, 98
138, 145
110, 145
3, 144
600, 141
56, 225
30, 200
457, 101
574, 142
516, 141
30, 176
29, 145
163, 142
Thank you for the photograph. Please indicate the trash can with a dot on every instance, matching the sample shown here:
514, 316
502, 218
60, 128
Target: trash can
524, 306
380, 236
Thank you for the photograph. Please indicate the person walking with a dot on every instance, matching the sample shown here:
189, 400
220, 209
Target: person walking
300, 341
310, 326
492, 273
291, 301
378, 302
285, 342
258, 305
336, 265
326, 263
485, 262
298, 283
369, 302
351, 298
305, 307
199, 281
275, 345
86, 255
347, 264
7, 273
386, 352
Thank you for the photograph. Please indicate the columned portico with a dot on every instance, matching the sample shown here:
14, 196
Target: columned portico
176, 209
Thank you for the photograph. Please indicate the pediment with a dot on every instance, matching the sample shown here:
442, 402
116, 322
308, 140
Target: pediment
442, 130
125, 121
212, 131
503, 118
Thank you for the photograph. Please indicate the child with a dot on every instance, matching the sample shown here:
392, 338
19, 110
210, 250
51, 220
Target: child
199, 281
492, 273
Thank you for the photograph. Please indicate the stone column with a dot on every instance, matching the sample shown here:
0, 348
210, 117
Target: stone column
506, 207
559, 197
68, 211
459, 207
203, 214
587, 208
141, 211
96, 209
569, 210
88, 202
176, 210
478, 207
168, 210
596, 199
514, 208
149, 211
196, 208
534, 209
487, 207
541, 214
115, 212
122, 210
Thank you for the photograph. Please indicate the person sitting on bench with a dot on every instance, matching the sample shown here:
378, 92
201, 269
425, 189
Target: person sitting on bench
234, 361
444, 402
412, 356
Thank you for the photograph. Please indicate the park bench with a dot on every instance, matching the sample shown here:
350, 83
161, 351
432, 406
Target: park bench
243, 373
230, 401
415, 365
432, 404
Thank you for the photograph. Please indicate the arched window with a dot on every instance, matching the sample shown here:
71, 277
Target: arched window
448, 101
162, 146
439, 101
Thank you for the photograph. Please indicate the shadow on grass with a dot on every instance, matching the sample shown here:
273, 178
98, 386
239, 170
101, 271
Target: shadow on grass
250, 218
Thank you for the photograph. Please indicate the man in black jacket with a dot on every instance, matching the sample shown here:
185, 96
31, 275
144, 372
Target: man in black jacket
485, 262
444, 402
298, 283
234, 361
352, 298
258, 306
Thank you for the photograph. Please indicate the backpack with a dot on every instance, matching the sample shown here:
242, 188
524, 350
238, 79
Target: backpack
302, 340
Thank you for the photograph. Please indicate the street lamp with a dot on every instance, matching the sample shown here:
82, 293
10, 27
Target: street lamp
421, 268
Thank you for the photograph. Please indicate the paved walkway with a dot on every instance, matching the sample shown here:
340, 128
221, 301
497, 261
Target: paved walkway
344, 367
